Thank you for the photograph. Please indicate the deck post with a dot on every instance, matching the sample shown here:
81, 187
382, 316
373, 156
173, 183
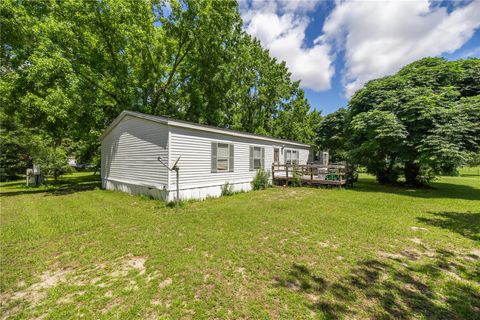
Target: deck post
273, 172
286, 171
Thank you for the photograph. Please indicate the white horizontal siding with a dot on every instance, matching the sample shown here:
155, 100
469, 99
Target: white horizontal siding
194, 147
130, 151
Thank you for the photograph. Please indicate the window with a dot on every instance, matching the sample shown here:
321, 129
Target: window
257, 157
222, 157
291, 157
276, 155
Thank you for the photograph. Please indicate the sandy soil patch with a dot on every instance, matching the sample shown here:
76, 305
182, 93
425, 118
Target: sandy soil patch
165, 283
131, 263
418, 228
416, 240
37, 291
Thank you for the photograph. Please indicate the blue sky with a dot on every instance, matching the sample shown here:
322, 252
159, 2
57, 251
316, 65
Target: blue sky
333, 48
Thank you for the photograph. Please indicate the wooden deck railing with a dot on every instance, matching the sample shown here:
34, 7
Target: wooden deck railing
310, 173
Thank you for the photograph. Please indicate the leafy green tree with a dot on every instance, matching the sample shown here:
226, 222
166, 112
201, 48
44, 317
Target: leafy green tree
331, 134
377, 137
435, 103
52, 161
14, 155
70, 67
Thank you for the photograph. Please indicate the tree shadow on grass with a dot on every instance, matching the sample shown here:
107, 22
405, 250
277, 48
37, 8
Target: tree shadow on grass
465, 223
436, 190
65, 185
393, 288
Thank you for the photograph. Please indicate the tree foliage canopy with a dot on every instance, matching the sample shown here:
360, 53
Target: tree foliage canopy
423, 121
70, 67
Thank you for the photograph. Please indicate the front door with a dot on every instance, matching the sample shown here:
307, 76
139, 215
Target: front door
276, 155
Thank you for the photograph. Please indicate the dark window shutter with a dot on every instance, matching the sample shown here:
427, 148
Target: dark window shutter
214, 157
263, 158
285, 156
231, 155
251, 158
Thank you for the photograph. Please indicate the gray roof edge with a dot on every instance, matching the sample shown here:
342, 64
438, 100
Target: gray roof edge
195, 126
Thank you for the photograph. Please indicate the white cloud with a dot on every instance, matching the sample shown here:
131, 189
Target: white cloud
377, 37
381, 37
280, 26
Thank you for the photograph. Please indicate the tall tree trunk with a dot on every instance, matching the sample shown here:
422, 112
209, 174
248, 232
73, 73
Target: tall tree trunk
411, 173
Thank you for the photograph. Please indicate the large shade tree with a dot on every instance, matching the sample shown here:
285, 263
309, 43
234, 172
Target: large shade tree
68, 68
422, 121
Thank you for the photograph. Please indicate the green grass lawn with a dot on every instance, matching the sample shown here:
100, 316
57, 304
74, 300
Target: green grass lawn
374, 251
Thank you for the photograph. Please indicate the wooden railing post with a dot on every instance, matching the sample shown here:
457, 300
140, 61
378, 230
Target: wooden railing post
286, 171
273, 171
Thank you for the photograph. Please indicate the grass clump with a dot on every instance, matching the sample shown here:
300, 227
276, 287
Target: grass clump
261, 180
227, 189
145, 196
173, 204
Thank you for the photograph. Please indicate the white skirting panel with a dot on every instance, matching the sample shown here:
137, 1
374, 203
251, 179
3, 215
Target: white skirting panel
135, 189
198, 193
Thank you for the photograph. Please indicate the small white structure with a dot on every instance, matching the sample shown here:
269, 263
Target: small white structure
35, 176
209, 157
72, 162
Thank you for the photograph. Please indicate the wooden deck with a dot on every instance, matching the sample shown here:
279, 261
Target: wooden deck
310, 174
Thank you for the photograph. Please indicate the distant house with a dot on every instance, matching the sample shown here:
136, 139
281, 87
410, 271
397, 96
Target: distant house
209, 156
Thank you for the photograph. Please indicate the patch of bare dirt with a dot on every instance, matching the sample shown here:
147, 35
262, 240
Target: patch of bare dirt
418, 228
393, 256
37, 291
416, 240
325, 244
153, 275
165, 283
89, 275
475, 252
131, 263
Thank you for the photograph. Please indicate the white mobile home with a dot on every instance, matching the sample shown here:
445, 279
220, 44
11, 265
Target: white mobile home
209, 156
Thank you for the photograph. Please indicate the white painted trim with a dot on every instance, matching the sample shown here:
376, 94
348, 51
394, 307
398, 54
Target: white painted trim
169, 152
